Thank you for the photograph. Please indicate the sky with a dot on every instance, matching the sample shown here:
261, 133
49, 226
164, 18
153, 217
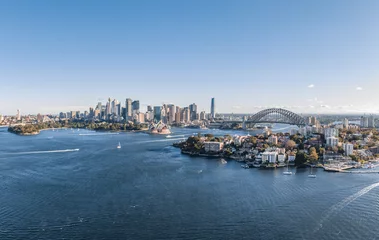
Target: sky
306, 56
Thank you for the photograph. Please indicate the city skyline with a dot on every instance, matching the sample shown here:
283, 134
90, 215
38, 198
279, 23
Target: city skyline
250, 55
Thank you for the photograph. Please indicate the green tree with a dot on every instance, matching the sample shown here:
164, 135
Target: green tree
300, 158
313, 156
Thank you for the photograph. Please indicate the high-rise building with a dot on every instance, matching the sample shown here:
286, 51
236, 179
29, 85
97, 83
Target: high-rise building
348, 148
193, 111
371, 121
330, 132
108, 107
332, 141
364, 122
18, 116
157, 113
114, 107
118, 109
149, 108
346, 123
177, 117
135, 106
91, 112
213, 108
98, 106
171, 113
186, 115
128, 109
202, 115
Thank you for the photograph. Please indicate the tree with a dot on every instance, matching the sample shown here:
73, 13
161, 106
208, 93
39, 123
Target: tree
300, 158
313, 156
290, 144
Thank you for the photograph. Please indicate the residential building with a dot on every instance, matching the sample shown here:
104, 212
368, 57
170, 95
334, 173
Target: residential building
371, 121
332, 141
177, 117
213, 146
330, 132
364, 122
270, 157
213, 108
348, 148
346, 123
18, 116
273, 139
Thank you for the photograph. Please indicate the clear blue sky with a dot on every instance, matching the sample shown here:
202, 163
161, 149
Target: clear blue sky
306, 56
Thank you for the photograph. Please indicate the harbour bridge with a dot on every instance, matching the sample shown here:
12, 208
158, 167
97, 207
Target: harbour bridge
272, 115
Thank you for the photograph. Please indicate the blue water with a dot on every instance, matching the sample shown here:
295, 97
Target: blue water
148, 190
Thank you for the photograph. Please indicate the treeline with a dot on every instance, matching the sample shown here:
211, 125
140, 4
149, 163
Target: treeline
102, 126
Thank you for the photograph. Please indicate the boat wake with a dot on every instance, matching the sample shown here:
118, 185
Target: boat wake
96, 134
51, 151
339, 206
174, 136
162, 140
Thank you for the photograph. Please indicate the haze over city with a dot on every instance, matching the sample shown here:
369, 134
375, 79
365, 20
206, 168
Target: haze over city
249, 55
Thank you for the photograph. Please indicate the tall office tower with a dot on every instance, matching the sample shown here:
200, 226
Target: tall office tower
213, 108
110, 106
149, 108
202, 115
171, 113
193, 111
61, 115
113, 107
135, 106
371, 121
157, 113
91, 112
164, 113
128, 109
73, 114
186, 115
98, 106
107, 110
177, 117
118, 109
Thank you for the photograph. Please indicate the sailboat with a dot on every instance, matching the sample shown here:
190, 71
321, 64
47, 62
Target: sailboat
287, 172
119, 145
312, 175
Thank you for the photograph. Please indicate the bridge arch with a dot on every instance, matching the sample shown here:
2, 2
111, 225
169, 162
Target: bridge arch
276, 115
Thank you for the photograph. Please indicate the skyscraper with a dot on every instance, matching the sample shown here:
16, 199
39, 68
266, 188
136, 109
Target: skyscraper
135, 106
128, 109
213, 108
157, 113
193, 111
149, 108
171, 114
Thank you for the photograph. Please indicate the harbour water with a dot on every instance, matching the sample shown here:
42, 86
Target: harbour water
66, 184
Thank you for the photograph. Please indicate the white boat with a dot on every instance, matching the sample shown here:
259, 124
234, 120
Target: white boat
288, 172
312, 175
119, 145
223, 161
